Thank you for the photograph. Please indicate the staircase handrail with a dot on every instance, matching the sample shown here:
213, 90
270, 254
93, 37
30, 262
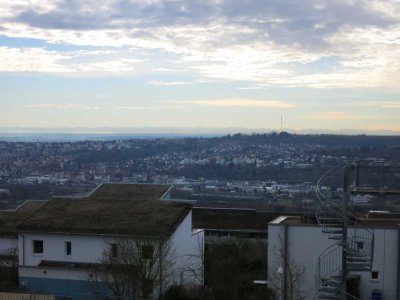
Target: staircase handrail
331, 215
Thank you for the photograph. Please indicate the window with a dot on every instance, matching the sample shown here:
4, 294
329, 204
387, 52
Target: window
376, 295
114, 250
375, 275
360, 245
68, 248
37, 247
147, 251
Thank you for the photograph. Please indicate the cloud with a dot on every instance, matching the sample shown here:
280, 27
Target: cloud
279, 19
111, 66
84, 15
391, 104
31, 60
136, 108
251, 88
384, 127
168, 83
166, 70
273, 44
381, 104
68, 62
239, 102
63, 106
336, 115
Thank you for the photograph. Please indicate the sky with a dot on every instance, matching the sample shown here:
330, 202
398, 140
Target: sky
322, 66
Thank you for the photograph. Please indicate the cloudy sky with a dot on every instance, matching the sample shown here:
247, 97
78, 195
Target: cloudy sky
322, 65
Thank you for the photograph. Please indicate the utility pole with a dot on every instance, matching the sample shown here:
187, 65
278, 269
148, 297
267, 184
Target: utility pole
343, 295
285, 264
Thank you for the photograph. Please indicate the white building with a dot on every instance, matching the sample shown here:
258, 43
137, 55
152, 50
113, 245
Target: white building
305, 242
61, 244
9, 219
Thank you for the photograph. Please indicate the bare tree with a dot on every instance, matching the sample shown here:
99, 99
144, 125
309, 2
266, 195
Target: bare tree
9, 269
132, 268
196, 265
295, 274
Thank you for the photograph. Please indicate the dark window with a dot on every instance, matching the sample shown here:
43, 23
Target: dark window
147, 252
68, 248
37, 247
376, 295
114, 250
375, 275
360, 245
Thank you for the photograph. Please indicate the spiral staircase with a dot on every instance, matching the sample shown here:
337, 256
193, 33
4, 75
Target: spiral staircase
353, 247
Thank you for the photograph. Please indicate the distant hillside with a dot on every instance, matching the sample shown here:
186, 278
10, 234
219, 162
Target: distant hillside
320, 139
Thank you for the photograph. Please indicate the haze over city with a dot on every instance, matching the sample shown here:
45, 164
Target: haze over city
326, 66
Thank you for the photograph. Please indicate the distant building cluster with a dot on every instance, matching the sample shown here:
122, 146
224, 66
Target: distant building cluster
94, 162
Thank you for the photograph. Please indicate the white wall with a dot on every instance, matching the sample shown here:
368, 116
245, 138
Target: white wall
187, 247
8, 243
91, 248
385, 262
84, 248
306, 243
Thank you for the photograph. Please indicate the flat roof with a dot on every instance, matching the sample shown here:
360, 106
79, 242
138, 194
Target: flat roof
301, 220
233, 218
125, 209
9, 219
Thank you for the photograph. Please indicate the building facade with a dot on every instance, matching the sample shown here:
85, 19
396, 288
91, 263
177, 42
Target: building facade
305, 242
64, 244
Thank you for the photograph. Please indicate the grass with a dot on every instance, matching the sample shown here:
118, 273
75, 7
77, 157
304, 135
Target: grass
113, 209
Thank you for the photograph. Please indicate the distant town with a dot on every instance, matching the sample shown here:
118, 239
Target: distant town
263, 171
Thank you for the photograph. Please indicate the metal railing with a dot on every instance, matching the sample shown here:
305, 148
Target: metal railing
354, 242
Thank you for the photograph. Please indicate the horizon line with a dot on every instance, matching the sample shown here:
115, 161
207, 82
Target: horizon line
153, 130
